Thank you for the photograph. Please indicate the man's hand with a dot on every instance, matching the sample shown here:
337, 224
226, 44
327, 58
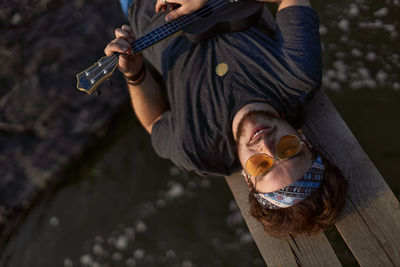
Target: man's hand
129, 66
147, 98
185, 7
287, 3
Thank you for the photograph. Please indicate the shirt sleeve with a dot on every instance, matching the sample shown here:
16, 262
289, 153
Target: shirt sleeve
299, 40
166, 141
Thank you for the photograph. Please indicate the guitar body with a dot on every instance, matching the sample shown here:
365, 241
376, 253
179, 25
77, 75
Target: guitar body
237, 16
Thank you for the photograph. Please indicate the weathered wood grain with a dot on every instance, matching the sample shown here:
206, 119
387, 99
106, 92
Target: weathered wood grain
370, 224
310, 251
274, 251
314, 251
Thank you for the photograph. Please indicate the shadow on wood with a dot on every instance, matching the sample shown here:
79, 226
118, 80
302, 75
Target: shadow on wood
370, 223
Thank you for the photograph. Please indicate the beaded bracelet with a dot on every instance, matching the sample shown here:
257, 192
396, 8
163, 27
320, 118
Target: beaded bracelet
137, 78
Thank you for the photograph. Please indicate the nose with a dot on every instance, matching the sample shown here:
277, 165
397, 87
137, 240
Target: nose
265, 146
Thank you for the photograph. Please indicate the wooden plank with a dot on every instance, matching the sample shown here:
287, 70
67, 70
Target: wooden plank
363, 244
370, 224
314, 251
274, 251
302, 251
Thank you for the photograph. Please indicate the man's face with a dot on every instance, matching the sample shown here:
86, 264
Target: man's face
258, 131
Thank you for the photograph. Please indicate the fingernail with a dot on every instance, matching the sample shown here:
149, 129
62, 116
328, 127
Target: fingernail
124, 49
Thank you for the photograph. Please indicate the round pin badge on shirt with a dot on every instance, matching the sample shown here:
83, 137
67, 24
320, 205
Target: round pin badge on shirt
221, 69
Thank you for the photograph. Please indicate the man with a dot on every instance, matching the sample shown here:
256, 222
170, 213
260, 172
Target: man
235, 102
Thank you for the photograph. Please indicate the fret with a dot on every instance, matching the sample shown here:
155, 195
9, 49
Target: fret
152, 37
157, 36
91, 78
157, 32
173, 27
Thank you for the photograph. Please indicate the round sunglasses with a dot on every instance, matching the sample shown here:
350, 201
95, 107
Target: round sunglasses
259, 164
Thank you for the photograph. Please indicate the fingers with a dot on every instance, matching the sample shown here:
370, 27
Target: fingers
119, 45
184, 7
125, 32
161, 6
127, 28
122, 42
176, 13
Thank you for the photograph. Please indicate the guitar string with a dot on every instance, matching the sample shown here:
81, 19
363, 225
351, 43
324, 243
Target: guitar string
171, 28
180, 23
187, 21
114, 59
141, 42
184, 20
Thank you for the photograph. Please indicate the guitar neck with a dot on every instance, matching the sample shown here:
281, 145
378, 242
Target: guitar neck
89, 79
174, 27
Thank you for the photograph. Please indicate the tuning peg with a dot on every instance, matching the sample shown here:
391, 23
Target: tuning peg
109, 81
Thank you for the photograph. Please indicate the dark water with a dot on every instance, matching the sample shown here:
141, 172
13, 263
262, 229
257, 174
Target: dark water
134, 207
127, 207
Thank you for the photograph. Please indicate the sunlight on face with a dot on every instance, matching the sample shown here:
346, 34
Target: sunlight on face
257, 130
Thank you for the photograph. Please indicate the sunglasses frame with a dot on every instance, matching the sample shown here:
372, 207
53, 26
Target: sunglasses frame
252, 186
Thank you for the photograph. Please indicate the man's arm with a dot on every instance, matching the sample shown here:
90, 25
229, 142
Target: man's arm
147, 99
288, 3
189, 6
298, 36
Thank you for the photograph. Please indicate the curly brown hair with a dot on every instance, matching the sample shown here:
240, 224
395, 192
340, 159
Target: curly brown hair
312, 215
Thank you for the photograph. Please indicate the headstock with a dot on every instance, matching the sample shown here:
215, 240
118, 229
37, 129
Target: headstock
89, 79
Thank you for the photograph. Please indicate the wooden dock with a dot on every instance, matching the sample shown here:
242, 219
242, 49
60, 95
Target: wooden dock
370, 222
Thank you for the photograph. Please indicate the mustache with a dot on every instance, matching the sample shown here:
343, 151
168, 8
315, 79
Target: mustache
250, 116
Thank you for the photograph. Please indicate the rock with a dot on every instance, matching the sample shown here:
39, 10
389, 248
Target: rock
47, 121
16, 19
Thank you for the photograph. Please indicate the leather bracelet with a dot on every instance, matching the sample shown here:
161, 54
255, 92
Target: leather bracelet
138, 77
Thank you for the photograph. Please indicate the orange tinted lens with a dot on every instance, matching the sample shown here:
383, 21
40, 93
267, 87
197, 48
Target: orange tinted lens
259, 164
288, 146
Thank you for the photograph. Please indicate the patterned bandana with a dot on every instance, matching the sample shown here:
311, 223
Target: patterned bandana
295, 192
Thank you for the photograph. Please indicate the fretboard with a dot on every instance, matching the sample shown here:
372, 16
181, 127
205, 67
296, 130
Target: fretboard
174, 26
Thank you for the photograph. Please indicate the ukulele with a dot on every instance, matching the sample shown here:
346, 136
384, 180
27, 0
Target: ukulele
217, 16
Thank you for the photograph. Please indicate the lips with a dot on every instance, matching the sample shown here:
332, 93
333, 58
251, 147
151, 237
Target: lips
258, 132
